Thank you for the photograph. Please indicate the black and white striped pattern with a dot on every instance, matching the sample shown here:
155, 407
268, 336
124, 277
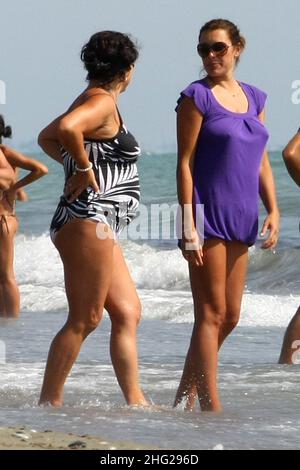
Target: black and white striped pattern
116, 173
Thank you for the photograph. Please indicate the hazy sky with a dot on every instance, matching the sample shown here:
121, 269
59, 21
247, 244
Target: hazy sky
40, 65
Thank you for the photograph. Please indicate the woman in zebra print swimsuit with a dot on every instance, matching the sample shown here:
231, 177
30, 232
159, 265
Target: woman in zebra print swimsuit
101, 196
116, 202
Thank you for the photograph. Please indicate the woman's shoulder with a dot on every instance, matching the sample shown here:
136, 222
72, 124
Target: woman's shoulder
198, 90
197, 86
92, 100
259, 96
254, 89
9, 154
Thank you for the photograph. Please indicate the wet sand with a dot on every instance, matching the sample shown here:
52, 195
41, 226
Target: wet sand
20, 438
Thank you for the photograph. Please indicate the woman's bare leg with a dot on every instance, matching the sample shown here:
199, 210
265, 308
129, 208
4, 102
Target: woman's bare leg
292, 335
9, 291
187, 390
88, 269
124, 308
236, 270
208, 287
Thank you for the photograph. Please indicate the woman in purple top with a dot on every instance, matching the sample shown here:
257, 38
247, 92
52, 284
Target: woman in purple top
223, 167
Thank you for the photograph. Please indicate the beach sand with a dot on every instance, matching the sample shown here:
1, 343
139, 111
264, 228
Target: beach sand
20, 438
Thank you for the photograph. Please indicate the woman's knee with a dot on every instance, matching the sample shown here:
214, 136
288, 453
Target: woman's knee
85, 324
213, 314
232, 317
7, 277
126, 314
230, 324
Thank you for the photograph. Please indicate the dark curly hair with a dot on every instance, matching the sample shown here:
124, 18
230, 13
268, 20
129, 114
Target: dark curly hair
108, 56
5, 131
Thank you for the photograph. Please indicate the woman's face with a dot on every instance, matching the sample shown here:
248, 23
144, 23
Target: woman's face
217, 52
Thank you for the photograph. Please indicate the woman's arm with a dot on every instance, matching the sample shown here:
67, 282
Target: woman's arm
82, 121
49, 142
291, 156
21, 194
7, 175
18, 160
189, 121
267, 191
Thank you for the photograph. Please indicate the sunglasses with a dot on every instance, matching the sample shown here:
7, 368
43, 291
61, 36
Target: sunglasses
218, 48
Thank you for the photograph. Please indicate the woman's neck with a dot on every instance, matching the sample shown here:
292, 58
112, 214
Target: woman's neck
227, 81
112, 89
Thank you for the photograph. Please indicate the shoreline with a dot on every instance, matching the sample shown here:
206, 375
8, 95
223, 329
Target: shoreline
21, 438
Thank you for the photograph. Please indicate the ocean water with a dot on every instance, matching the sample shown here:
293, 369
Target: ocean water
260, 398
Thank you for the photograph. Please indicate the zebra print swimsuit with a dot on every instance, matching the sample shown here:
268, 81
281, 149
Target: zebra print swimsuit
114, 165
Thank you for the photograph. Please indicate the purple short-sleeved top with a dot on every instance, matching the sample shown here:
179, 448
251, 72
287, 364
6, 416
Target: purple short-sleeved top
227, 163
